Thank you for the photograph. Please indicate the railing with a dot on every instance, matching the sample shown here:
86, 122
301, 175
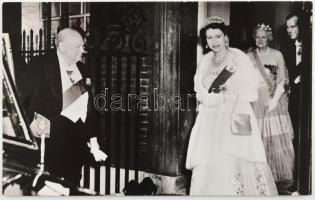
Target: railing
33, 45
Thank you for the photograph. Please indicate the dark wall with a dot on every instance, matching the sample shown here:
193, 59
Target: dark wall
244, 17
11, 23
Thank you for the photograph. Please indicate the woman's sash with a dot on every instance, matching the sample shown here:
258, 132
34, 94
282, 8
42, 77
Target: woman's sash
216, 85
261, 69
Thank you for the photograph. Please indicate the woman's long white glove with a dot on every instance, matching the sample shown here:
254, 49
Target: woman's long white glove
274, 101
98, 154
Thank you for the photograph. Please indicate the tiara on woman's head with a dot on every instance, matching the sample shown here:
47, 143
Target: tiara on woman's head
212, 20
264, 27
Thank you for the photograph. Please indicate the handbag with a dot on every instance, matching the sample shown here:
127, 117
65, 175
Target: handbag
240, 123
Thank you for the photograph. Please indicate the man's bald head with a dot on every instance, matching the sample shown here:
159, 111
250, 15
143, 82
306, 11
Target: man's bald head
70, 45
67, 34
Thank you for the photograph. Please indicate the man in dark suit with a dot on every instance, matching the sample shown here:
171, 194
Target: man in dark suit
56, 86
297, 53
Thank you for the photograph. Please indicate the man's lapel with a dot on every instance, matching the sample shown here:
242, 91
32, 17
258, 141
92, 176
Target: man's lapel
84, 73
82, 69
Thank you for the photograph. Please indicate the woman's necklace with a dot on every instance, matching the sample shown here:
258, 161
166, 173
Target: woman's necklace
214, 71
217, 64
218, 61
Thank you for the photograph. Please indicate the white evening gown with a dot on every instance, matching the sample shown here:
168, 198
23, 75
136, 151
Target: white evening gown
223, 163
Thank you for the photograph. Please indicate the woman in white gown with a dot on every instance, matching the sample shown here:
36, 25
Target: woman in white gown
225, 152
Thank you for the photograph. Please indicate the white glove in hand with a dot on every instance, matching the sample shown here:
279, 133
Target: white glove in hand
272, 105
297, 80
274, 101
98, 154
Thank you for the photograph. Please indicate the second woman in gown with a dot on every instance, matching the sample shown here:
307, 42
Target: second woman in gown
225, 152
271, 108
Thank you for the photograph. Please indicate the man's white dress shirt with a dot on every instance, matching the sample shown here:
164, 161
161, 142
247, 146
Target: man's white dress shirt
69, 76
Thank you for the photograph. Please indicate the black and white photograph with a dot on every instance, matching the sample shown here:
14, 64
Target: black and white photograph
156, 98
